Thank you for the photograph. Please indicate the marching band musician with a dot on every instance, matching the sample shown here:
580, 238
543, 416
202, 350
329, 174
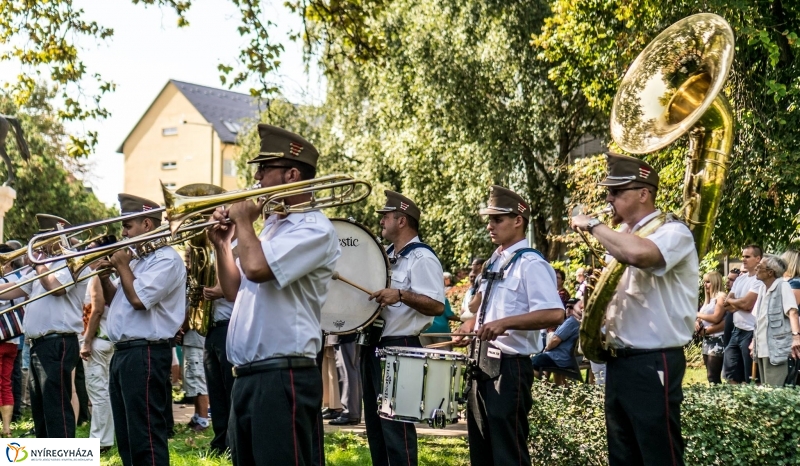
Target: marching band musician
219, 371
147, 307
52, 323
648, 321
521, 300
409, 306
274, 333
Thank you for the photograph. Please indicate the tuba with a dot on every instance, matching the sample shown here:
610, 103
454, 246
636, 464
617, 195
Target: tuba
202, 273
671, 89
202, 268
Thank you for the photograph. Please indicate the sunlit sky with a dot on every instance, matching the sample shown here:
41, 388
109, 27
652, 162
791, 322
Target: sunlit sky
148, 49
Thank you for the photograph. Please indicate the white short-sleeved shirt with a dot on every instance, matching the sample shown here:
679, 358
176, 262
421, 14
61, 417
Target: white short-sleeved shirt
788, 302
222, 309
741, 287
280, 317
529, 285
420, 272
656, 307
54, 314
160, 284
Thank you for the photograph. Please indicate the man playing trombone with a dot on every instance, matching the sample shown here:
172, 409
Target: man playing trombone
52, 323
274, 333
147, 306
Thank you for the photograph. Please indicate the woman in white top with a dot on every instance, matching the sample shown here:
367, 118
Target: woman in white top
710, 325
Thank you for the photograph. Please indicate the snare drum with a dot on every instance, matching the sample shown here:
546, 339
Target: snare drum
421, 384
363, 261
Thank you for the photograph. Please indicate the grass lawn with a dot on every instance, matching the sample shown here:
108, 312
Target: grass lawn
189, 448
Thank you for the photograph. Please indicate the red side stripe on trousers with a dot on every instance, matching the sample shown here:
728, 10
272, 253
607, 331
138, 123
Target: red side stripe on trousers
147, 408
294, 417
63, 410
666, 406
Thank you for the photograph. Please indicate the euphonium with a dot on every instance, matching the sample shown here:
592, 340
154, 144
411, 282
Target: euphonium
671, 89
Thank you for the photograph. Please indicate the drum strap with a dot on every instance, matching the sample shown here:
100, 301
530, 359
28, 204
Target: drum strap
486, 355
407, 249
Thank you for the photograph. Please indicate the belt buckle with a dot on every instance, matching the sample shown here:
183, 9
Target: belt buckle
233, 369
613, 352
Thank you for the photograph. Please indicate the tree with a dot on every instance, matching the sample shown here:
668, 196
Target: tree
44, 185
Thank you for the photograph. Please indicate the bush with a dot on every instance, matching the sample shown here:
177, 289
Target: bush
722, 425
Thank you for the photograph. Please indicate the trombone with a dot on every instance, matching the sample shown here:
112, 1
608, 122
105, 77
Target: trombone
343, 190
76, 262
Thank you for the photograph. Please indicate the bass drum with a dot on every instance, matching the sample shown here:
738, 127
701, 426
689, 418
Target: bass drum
363, 262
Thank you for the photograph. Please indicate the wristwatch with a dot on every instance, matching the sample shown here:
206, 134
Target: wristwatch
592, 223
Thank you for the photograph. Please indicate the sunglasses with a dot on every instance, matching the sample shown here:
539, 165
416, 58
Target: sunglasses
614, 192
264, 167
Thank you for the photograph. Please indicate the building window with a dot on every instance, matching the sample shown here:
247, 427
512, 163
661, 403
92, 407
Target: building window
169, 165
232, 126
172, 131
229, 167
170, 185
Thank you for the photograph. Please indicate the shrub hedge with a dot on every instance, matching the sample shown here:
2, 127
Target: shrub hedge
722, 425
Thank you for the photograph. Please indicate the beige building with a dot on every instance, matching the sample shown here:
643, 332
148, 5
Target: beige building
188, 135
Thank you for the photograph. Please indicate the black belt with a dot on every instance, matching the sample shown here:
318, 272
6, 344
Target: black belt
128, 344
219, 323
629, 352
50, 336
387, 341
293, 362
516, 356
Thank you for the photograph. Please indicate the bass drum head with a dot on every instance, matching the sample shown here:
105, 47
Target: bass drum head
363, 262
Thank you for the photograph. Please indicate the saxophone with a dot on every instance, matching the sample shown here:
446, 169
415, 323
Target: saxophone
202, 273
671, 89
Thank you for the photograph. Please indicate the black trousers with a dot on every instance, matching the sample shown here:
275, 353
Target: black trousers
219, 380
83, 396
139, 400
390, 442
52, 363
497, 415
643, 409
273, 415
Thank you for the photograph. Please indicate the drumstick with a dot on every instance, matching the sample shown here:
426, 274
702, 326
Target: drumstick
440, 344
336, 276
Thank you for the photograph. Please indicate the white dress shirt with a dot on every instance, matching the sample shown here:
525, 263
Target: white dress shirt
656, 307
160, 283
280, 317
222, 309
529, 285
742, 287
54, 314
419, 272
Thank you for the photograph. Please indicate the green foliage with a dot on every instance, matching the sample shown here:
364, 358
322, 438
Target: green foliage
722, 425
44, 184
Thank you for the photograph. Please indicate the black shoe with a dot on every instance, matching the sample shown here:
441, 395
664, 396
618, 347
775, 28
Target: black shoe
344, 421
332, 414
104, 449
30, 433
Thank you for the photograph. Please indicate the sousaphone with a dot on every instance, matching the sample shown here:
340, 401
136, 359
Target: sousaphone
673, 88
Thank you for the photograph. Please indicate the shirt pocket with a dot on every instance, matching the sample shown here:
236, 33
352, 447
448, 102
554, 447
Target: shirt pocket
400, 280
506, 294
